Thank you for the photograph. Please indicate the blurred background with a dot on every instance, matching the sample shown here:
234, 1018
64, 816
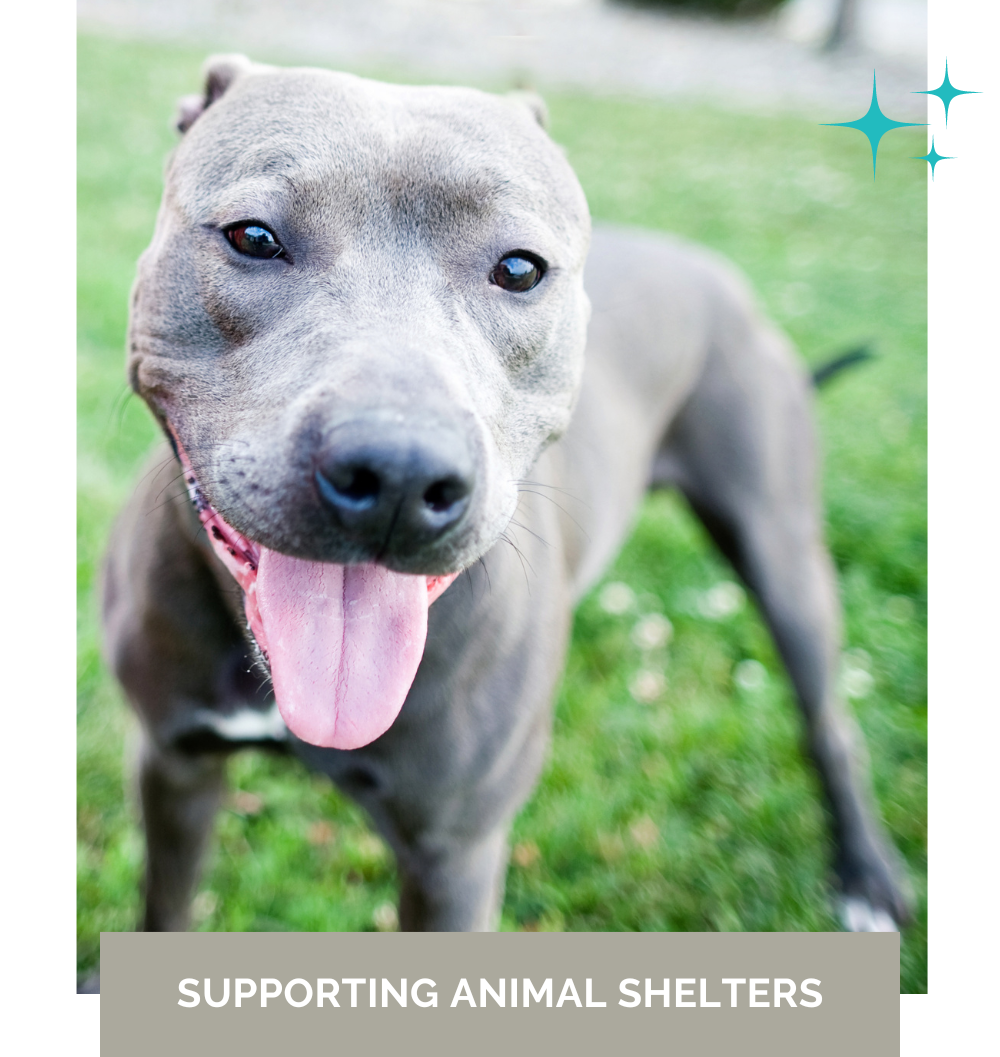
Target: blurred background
676, 795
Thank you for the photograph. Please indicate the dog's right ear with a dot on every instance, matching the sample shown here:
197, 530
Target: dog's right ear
219, 71
534, 103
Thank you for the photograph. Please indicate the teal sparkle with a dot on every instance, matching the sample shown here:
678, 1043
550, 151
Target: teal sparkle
947, 92
932, 157
874, 124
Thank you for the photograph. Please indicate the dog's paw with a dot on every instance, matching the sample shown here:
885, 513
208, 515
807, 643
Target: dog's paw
858, 915
89, 985
874, 893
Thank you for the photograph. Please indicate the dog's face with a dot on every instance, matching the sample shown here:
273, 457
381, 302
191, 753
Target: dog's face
361, 319
362, 313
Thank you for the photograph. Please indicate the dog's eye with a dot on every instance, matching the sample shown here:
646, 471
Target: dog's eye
518, 272
254, 240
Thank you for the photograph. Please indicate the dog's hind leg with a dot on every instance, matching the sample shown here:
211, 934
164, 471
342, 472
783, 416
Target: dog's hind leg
742, 450
180, 794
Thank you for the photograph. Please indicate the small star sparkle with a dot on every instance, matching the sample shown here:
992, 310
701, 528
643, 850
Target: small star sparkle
932, 157
946, 92
874, 124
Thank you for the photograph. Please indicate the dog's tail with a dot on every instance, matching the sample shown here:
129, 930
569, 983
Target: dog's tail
822, 374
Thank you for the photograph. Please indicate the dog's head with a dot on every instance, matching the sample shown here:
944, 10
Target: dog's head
361, 319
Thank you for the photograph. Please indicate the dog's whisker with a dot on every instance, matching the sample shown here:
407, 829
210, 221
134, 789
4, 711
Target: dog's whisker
489, 582
119, 406
155, 469
558, 506
182, 494
521, 558
541, 539
555, 488
171, 499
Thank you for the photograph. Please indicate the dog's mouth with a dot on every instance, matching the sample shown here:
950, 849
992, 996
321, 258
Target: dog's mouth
343, 642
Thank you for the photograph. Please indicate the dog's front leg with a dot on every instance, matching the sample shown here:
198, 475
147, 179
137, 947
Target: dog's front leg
177, 651
456, 887
444, 782
180, 795
450, 832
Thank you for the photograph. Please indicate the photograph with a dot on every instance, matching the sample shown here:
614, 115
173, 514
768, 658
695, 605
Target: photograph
502, 466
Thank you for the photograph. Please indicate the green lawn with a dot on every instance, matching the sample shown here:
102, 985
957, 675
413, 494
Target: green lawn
694, 811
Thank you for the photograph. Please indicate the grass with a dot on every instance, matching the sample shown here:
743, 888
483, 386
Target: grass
693, 812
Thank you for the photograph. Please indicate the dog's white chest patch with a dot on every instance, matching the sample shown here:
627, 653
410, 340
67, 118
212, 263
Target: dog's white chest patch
247, 724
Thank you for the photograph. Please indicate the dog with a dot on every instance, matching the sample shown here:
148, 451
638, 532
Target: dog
374, 325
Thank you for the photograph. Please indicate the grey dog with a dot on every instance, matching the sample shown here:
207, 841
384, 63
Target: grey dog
368, 316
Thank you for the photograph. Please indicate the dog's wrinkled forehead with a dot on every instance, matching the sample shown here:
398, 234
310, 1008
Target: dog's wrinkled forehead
425, 155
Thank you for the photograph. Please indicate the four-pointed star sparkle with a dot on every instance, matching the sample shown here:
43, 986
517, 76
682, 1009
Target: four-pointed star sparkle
946, 92
874, 124
932, 157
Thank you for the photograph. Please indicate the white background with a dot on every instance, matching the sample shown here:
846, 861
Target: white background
37, 389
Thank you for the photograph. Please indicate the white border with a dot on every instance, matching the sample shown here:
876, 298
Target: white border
963, 351
42, 1014
37, 423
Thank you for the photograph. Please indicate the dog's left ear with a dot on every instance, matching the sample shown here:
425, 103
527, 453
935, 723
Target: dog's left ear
534, 103
219, 71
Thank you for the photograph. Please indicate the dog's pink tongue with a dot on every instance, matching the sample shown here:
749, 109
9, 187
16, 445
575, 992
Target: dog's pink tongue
344, 643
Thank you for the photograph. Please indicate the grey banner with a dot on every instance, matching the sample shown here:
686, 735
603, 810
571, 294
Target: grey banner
726, 993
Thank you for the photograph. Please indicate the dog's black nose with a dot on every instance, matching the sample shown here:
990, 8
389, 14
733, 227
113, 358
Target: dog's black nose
394, 487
